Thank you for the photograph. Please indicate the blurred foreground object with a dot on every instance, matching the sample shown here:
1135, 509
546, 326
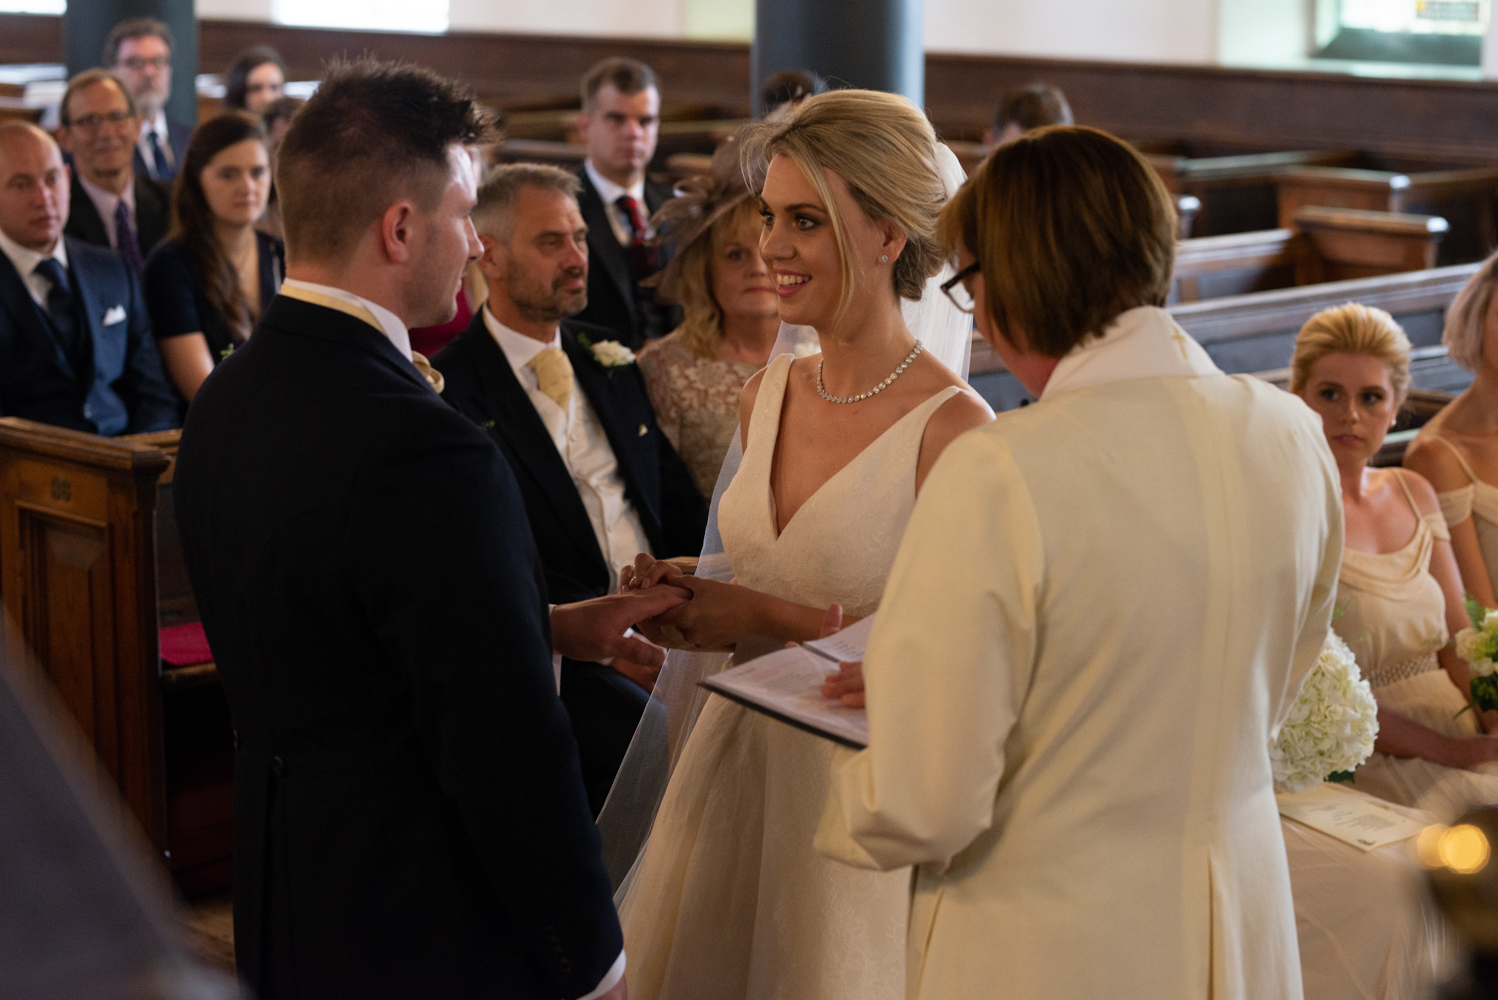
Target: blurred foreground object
1463, 877
82, 912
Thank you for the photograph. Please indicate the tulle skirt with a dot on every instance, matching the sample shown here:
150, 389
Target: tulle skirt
731, 900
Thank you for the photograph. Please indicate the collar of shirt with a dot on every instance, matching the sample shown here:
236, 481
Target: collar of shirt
610, 192
163, 135
105, 203
25, 261
389, 323
518, 348
1140, 343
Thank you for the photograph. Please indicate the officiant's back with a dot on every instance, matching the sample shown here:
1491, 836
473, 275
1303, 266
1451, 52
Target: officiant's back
1112, 596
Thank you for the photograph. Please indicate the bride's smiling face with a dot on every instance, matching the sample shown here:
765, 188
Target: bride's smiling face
800, 247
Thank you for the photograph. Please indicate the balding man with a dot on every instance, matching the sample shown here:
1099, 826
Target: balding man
410, 818
113, 206
75, 344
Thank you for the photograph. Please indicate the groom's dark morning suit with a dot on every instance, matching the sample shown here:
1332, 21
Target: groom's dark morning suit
409, 816
604, 705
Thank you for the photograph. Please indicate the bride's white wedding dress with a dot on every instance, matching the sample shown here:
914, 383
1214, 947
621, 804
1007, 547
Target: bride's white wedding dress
730, 899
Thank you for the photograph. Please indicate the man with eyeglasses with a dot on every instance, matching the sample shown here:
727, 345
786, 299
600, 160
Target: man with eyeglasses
114, 206
139, 52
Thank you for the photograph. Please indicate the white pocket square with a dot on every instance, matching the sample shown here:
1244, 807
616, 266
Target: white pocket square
115, 314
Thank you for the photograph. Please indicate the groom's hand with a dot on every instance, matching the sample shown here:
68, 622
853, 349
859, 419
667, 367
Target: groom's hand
594, 630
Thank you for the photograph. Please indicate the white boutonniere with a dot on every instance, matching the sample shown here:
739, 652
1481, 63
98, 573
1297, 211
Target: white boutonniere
609, 354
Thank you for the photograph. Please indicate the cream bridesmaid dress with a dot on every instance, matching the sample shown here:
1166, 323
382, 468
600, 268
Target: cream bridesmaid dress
1477, 500
730, 899
1392, 613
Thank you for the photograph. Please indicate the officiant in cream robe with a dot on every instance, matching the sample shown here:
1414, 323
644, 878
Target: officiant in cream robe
1102, 610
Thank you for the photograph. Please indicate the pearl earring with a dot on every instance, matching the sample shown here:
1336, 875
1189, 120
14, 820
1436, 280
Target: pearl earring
884, 259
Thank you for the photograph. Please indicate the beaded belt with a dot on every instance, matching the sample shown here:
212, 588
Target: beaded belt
1403, 671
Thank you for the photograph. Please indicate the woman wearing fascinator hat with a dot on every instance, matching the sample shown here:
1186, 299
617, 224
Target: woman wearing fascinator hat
730, 314
729, 899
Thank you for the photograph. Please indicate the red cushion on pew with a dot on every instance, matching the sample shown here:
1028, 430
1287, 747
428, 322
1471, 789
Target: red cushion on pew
185, 645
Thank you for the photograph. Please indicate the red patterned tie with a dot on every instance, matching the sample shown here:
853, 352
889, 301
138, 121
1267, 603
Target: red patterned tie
642, 255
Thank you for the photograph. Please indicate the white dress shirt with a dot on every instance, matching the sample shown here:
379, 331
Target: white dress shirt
106, 202
579, 438
163, 138
610, 193
25, 261
390, 324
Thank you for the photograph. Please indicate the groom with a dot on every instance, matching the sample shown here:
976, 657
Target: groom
410, 820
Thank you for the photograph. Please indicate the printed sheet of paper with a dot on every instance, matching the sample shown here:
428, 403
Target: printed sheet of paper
1353, 819
847, 645
787, 685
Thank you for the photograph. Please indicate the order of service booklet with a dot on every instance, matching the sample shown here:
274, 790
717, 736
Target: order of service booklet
787, 685
1353, 819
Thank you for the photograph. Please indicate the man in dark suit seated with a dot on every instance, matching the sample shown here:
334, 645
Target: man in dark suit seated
75, 343
600, 481
139, 52
113, 206
619, 124
409, 816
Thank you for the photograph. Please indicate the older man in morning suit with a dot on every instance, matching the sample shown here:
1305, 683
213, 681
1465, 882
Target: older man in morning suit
409, 816
600, 481
75, 343
619, 124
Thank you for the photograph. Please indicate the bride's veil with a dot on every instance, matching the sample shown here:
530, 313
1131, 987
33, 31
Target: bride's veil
625, 820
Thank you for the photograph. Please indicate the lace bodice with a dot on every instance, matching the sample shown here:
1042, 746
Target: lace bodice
696, 402
840, 544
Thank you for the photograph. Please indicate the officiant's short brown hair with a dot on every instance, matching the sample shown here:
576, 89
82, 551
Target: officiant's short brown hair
1071, 227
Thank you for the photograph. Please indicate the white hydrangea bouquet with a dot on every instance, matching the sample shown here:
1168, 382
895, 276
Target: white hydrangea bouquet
1332, 726
1478, 645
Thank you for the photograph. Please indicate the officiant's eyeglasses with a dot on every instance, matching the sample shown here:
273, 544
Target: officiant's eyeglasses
955, 288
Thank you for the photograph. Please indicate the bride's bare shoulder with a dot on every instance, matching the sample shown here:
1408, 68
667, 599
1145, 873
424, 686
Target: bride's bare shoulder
958, 415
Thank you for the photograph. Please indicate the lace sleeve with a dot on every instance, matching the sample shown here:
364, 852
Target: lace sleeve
1456, 505
665, 399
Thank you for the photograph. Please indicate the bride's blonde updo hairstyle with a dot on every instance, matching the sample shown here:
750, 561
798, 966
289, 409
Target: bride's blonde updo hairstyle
1352, 329
884, 149
1071, 227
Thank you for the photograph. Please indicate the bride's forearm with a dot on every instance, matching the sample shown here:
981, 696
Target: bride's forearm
789, 622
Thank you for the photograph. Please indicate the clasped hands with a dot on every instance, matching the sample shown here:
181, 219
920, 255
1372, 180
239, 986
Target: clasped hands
717, 615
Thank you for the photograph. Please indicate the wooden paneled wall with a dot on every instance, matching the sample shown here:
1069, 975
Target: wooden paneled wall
1198, 110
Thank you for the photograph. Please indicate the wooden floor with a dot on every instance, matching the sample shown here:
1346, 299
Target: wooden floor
209, 932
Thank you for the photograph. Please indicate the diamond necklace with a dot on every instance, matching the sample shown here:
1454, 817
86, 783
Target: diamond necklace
822, 389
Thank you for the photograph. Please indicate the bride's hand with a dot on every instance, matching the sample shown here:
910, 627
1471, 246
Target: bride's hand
717, 616
646, 572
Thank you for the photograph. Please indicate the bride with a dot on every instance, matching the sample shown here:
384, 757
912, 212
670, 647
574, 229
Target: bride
729, 898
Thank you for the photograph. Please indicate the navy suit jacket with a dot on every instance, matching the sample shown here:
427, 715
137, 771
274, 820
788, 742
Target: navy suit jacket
123, 389
178, 134
481, 384
153, 215
409, 815
616, 301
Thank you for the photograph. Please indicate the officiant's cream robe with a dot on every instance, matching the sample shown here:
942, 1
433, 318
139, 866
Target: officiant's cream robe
1103, 608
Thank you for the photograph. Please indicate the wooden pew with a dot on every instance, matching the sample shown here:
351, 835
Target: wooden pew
1324, 244
1237, 192
1256, 332
1464, 198
90, 570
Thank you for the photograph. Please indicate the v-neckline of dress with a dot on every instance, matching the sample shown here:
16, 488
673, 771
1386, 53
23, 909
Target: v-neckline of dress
777, 532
